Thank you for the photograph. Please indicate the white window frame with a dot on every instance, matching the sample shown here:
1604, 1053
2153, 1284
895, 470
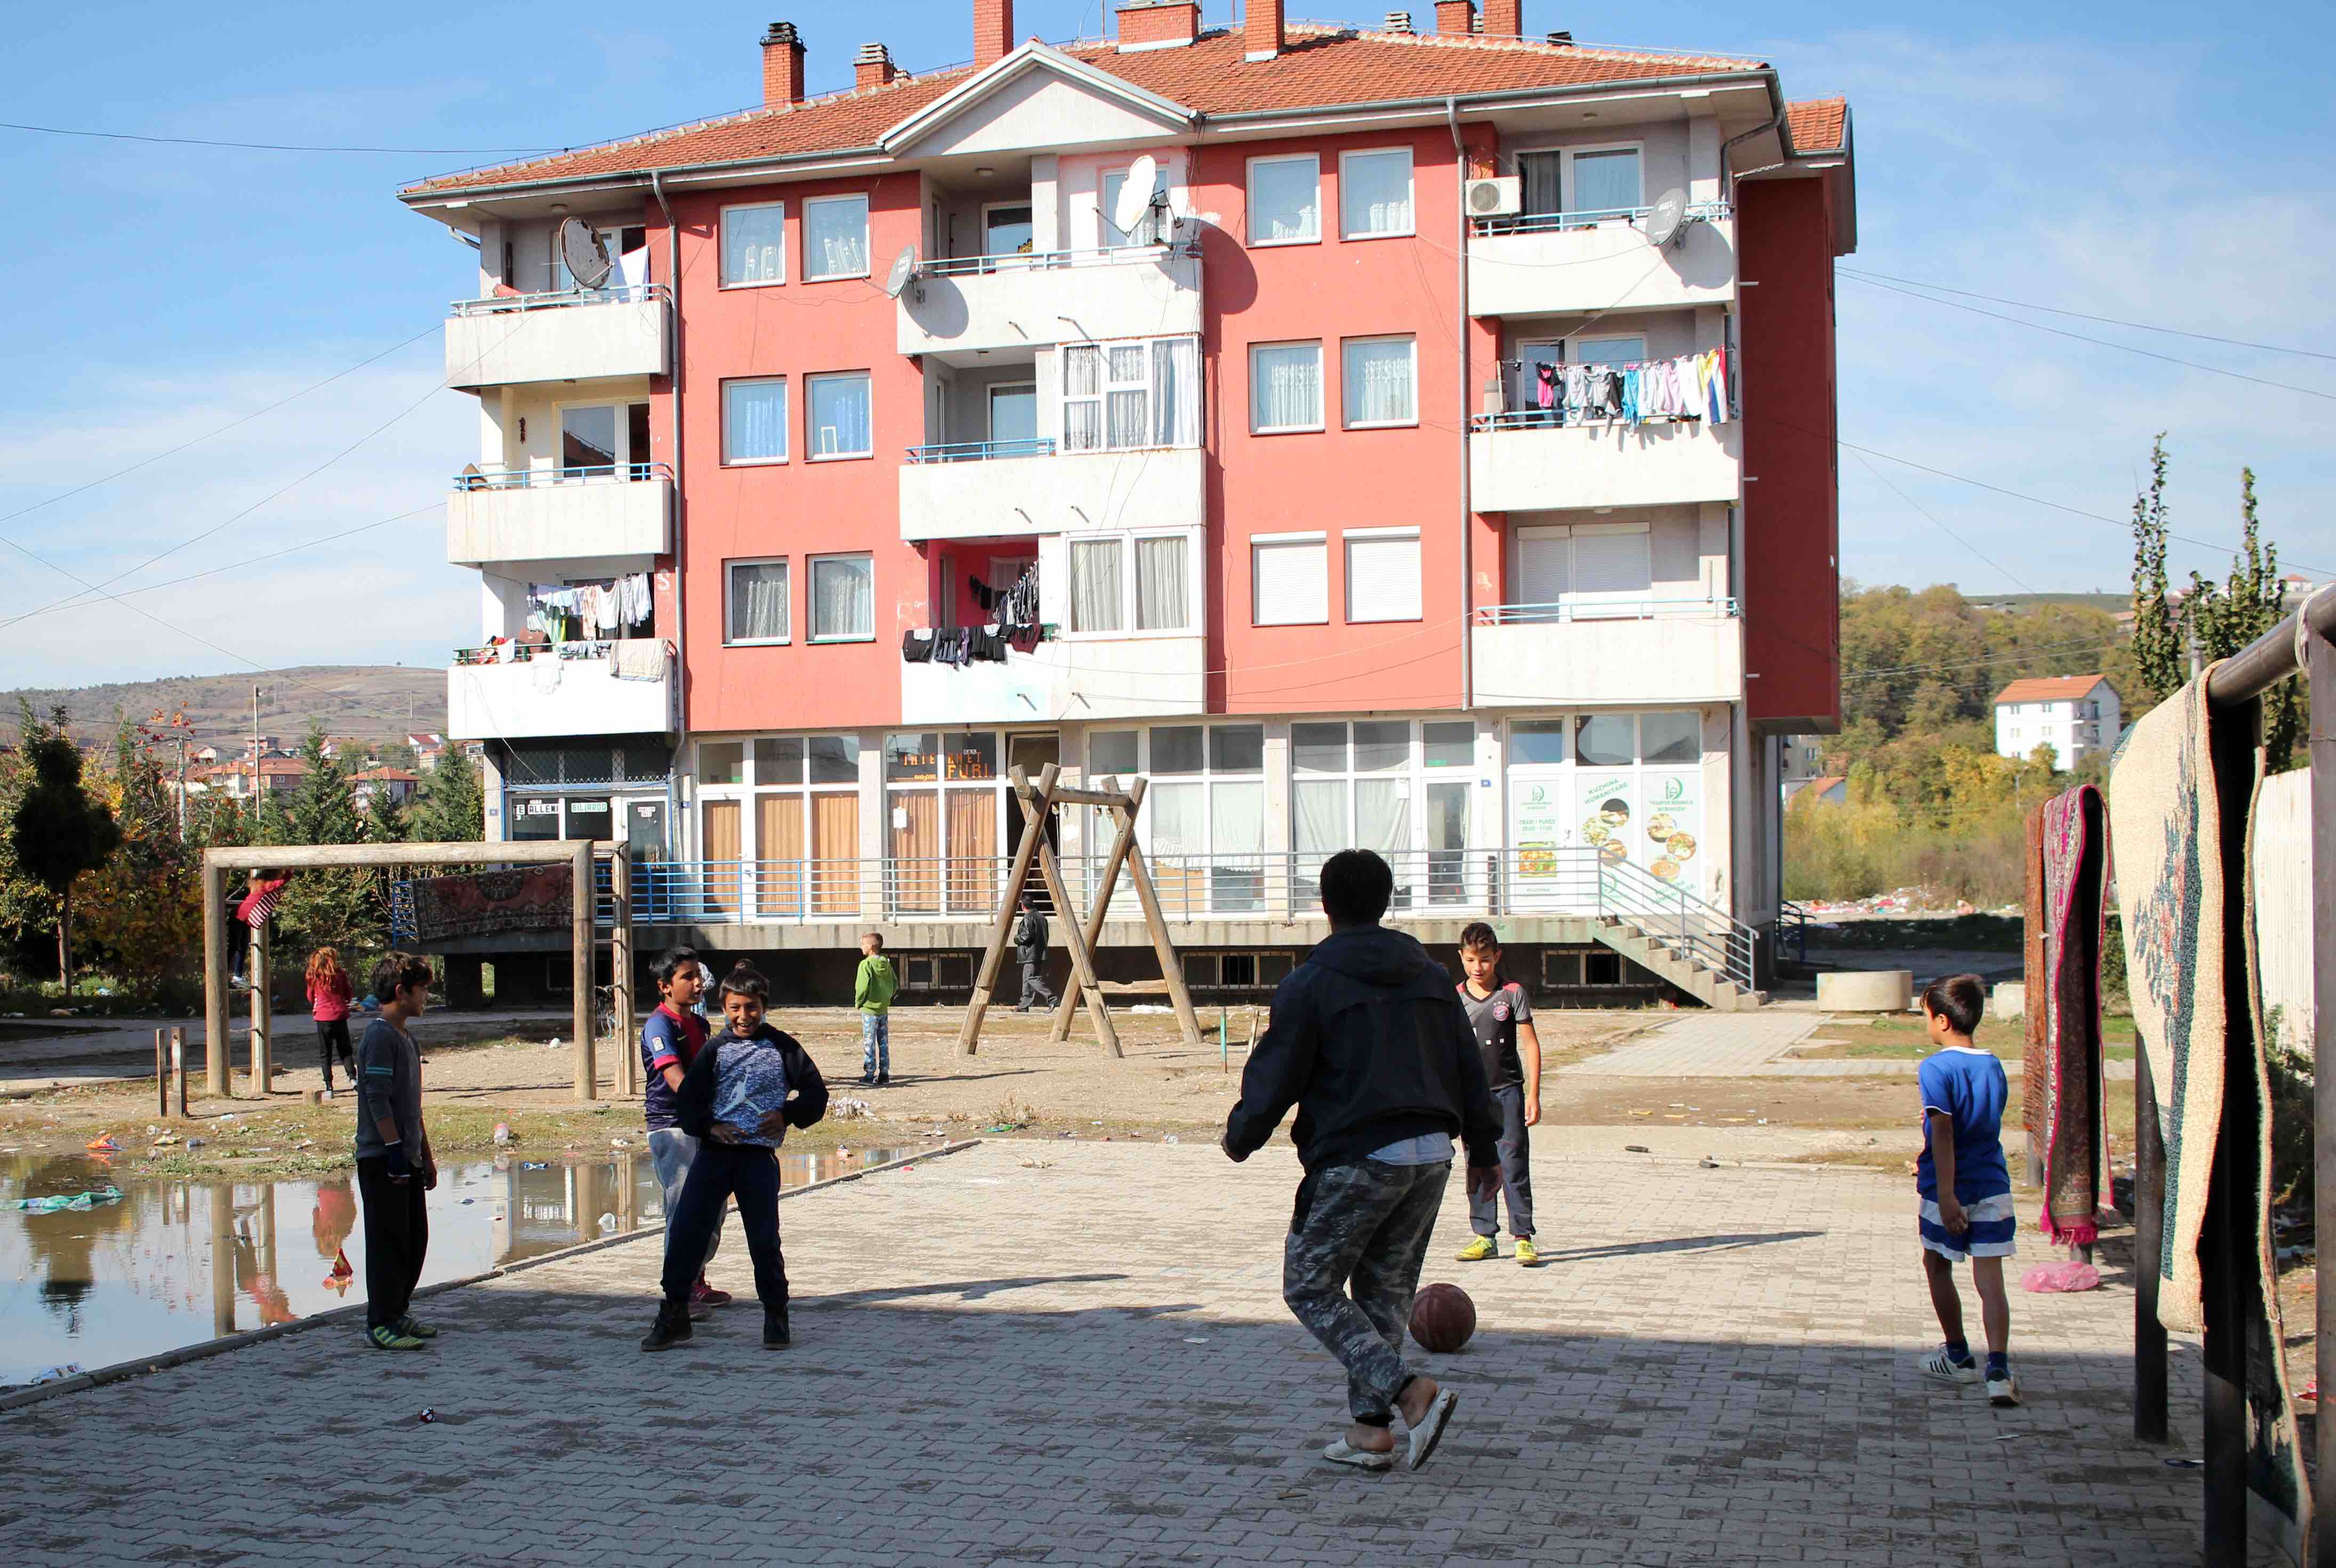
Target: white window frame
811, 439
1347, 343
1565, 170
626, 458
1414, 774
989, 207
1322, 391
989, 403
1128, 601
1248, 224
729, 568
1316, 537
1576, 604
810, 597
1106, 386
1576, 344
1411, 198
1206, 780
810, 273
1347, 560
722, 245
786, 422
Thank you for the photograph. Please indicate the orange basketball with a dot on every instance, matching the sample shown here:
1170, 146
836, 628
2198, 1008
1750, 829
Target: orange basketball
1442, 1317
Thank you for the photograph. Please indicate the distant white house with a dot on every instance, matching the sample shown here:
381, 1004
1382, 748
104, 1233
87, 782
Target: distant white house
1829, 789
2077, 714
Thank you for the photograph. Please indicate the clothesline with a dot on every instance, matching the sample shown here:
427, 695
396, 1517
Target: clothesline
590, 609
1684, 386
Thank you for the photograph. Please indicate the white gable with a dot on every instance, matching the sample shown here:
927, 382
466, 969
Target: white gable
1036, 99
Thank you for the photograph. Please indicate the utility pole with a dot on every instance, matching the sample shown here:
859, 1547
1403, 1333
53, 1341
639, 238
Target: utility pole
259, 785
182, 787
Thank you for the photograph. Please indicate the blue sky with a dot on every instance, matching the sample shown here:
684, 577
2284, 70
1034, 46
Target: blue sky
2159, 164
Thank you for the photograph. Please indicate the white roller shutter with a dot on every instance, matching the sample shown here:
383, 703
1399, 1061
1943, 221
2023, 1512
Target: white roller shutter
1544, 570
1291, 582
1382, 577
1610, 564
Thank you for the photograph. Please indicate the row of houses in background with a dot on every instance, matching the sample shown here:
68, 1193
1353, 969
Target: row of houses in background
266, 767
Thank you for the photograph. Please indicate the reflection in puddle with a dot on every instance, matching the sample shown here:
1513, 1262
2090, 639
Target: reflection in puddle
175, 1262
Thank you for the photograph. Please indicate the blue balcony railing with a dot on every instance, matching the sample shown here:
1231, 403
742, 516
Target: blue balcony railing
982, 451
528, 478
1543, 222
1607, 609
561, 298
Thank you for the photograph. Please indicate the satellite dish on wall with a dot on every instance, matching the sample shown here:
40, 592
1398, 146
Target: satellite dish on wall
1667, 217
903, 272
583, 254
1136, 197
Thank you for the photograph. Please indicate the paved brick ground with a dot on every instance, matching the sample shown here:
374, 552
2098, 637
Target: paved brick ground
1027, 1353
1707, 1044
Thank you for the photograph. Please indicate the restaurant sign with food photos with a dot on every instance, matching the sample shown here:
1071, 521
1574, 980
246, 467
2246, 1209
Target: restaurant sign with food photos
1668, 840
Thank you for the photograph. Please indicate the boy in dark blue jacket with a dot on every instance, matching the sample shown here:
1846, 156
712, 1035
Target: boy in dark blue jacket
739, 1096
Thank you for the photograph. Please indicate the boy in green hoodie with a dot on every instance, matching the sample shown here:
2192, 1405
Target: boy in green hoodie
872, 990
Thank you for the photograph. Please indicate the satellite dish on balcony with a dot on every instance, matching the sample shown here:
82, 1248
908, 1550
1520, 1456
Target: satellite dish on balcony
1136, 196
583, 254
903, 273
1667, 217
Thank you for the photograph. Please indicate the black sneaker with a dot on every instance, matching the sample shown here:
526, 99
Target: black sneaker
671, 1328
774, 1326
867, 1080
883, 1080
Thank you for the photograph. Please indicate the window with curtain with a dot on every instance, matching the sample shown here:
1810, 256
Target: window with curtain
1375, 193
754, 421
835, 237
1285, 386
1284, 199
1383, 575
1096, 585
1118, 396
1378, 380
842, 598
1290, 581
1160, 584
1606, 181
839, 415
758, 601
1355, 795
1541, 174
754, 244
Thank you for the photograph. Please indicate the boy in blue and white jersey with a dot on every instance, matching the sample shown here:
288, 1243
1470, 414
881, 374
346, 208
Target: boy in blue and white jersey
1964, 1185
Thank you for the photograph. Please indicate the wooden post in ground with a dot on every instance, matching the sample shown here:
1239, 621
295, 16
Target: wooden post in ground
1105, 885
161, 1073
214, 997
1034, 807
620, 968
579, 944
179, 1064
985, 984
263, 981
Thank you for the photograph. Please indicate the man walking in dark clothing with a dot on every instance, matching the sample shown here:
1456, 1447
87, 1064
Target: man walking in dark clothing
395, 1163
1030, 947
1369, 1043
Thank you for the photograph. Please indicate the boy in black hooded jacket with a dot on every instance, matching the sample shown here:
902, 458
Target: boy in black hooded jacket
743, 1091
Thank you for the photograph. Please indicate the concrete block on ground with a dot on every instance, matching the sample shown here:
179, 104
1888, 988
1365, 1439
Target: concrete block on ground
1865, 990
2011, 999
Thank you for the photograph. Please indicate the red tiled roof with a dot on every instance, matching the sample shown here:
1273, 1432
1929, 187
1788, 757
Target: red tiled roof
393, 775
1818, 125
2048, 687
1320, 67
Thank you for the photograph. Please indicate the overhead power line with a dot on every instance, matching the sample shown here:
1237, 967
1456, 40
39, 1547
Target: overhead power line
276, 146
2080, 315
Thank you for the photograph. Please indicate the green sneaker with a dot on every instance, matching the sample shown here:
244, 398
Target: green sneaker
1477, 1251
389, 1337
415, 1328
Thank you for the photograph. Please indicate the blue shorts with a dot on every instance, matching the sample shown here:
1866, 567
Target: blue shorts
1990, 1235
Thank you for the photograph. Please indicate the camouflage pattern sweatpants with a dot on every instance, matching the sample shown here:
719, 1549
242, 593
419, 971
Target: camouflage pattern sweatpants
1364, 1224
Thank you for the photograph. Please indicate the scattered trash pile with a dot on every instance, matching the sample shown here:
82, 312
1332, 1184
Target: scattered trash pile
1901, 902
58, 1202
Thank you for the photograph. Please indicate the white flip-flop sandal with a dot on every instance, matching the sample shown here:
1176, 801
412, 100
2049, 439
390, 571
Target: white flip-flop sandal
1430, 1430
1339, 1452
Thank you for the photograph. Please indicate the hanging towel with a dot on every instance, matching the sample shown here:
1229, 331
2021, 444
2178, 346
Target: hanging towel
638, 658
917, 647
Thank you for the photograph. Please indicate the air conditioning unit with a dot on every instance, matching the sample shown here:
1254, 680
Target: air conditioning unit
1495, 197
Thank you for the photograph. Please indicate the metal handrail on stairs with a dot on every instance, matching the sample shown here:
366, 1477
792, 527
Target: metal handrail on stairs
1673, 918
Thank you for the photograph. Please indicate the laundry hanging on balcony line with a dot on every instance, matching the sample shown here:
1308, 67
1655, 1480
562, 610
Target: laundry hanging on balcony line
1684, 386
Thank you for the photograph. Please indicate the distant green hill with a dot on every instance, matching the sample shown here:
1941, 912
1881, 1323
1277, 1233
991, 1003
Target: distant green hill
370, 702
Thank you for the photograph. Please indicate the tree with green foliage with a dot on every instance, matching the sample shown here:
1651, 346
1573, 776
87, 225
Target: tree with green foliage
386, 814
2224, 620
342, 909
58, 832
451, 807
142, 912
2159, 654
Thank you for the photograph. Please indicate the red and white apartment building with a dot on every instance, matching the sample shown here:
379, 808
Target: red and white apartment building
1443, 462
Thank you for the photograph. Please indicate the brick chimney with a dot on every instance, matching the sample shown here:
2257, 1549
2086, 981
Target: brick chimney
1504, 18
1158, 23
1455, 16
993, 31
1261, 30
872, 66
783, 65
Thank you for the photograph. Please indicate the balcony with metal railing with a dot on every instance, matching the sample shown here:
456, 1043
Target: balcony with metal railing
979, 489
522, 691
962, 304
1526, 461
621, 513
1596, 650
1551, 263
563, 335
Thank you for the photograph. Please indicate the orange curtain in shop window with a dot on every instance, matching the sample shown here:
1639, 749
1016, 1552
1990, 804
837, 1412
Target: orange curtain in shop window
973, 850
916, 841
778, 855
835, 853
720, 823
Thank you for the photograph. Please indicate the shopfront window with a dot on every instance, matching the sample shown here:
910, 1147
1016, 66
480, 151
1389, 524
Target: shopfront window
777, 845
945, 799
1631, 790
